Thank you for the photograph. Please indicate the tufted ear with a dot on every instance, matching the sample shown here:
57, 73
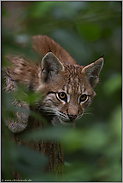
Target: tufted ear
92, 71
51, 66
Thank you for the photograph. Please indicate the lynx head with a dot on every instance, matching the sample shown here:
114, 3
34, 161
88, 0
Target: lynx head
68, 89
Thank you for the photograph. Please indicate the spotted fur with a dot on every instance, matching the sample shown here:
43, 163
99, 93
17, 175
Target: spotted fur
67, 88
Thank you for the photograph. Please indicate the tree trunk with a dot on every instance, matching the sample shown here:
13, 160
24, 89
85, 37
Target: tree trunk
53, 150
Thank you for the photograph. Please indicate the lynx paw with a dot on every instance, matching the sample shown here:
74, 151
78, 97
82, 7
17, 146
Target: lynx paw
21, 118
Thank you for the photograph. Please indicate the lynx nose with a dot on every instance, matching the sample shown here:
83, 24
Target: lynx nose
72, 117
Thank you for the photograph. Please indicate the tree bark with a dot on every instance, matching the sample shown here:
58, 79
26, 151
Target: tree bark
53, 150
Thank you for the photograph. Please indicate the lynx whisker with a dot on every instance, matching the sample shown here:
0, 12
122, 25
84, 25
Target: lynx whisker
87, 113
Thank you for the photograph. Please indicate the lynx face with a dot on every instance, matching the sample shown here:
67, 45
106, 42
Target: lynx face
68, 102
68, 89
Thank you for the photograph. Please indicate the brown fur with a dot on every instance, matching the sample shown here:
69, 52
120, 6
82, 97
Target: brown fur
43, 44
56, 73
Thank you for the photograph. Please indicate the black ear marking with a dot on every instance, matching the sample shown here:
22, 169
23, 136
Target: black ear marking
49, 50
102, 55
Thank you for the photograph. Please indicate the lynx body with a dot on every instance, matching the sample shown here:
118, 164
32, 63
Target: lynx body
67, 88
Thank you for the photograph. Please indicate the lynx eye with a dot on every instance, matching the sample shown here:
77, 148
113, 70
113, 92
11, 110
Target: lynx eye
83, 98
62, 96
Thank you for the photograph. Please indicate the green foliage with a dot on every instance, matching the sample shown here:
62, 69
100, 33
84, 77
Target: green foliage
85, 30
23, 163
113, 84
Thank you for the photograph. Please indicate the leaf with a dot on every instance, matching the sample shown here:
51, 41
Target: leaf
31, 158
116, 122
112, 84
40, 9
90, 32
92, 140
48, 133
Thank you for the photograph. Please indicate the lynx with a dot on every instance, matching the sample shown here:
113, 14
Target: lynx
67, 88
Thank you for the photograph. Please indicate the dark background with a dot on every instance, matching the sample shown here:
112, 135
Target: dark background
85, 30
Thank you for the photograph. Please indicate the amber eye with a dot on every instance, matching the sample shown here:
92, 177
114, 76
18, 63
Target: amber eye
62, 96
83, 98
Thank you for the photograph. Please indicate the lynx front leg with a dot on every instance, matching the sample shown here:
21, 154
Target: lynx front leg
19, 123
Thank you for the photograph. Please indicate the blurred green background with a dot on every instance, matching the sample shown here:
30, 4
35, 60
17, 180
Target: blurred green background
85, 30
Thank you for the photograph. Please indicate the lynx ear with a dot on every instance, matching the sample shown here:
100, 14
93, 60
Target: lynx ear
51, 66
92, 71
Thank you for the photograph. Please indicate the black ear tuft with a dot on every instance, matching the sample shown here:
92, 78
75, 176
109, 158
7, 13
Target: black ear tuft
102, 55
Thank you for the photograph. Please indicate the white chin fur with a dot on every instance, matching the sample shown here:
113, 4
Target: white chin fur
65, 123
57, 121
